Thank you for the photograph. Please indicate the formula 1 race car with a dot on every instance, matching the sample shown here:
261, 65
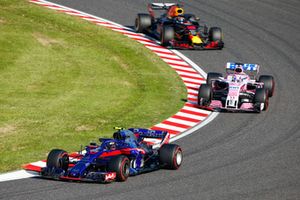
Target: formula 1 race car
178, 30
115, 159
238, 91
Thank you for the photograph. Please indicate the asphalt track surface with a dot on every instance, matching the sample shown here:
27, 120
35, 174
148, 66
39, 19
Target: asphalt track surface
237, 156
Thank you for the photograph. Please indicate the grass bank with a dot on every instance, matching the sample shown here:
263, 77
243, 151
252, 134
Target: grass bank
65, 82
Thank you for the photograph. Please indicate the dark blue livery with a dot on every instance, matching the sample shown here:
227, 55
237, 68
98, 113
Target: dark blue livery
128, 153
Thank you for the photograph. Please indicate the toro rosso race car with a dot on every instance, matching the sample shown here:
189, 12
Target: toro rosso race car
115, 159
176, 29
239, 90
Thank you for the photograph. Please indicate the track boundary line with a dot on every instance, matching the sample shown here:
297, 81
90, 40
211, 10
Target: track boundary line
180, 63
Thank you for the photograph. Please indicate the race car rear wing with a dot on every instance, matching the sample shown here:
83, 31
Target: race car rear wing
161, 6
250, 69
147, 133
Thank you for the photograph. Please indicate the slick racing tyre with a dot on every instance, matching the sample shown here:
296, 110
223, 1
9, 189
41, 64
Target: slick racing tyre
170, 156
204, 95
215, 34
119, 164
269, 83
58, 158
142, 23
261, 99
166, 35
212, 76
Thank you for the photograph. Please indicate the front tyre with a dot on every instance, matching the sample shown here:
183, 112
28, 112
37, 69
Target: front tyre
269, 83
261, 99
120, 165
170, 156
204, 95
166, 35
58, 158
215, 34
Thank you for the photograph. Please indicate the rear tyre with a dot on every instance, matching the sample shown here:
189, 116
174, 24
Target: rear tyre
142, 22
120, 165
166, 35
204, 95
170, 156
212, 76
261, 99
58, 158
215, 34
269, 83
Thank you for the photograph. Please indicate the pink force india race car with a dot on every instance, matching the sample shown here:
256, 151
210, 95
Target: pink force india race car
239, 90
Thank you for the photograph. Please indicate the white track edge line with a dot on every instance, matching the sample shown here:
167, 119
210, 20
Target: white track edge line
212, 116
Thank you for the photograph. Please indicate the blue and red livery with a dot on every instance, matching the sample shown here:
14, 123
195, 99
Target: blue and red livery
176, 29
127, 153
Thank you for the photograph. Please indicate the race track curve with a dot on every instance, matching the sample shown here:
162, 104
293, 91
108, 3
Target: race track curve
237, 156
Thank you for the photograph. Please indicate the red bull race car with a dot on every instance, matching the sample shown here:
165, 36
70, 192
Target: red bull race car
239, 90
115, 159
176, 29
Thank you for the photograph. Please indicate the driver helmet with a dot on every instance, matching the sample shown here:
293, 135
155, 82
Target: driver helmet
175, 11
112, 146
179, 11
238, 70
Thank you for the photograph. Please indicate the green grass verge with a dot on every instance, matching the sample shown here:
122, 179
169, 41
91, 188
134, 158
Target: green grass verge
66, 82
